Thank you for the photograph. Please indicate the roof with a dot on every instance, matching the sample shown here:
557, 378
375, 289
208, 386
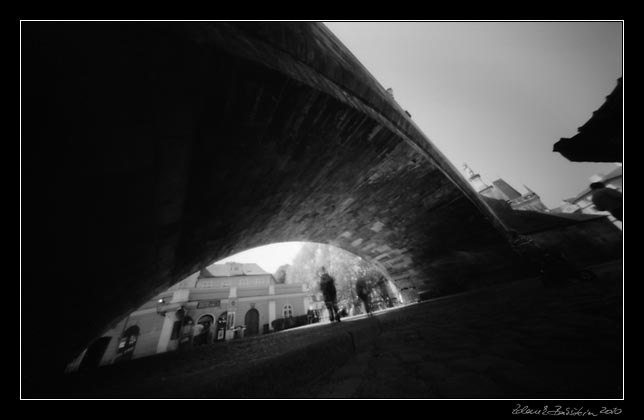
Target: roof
231, 269
600, 139
506, 189
186, 283
527, 221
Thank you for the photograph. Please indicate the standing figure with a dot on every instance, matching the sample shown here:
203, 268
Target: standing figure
607, 199
362, 289
327, 286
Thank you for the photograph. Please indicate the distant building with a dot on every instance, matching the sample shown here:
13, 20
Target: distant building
501, 190
221, 302
578, 240
583, 203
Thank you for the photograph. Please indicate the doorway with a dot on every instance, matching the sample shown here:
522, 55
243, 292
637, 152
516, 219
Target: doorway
252, 322
203, 333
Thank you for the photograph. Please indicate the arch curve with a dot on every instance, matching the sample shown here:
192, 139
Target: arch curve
218, 137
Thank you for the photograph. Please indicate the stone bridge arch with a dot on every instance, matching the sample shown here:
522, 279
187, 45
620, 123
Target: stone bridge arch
151, 149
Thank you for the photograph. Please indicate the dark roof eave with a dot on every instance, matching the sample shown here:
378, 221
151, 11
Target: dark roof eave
601, 138
585, 148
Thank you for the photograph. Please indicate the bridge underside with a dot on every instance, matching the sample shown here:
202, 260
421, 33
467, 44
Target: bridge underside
152, 149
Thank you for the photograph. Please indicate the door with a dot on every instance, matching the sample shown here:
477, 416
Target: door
252, 322
203, 332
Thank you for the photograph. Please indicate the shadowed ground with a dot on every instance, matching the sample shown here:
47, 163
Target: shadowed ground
518, 340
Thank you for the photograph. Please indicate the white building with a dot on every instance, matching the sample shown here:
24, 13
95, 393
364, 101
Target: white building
221, 302
501, 190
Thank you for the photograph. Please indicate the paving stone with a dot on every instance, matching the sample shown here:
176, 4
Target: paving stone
449, 354
349, 370
410, 357
484, 363
397, 389
502, 362
503, 347
343, 389
432, 370
469, 385
474, 364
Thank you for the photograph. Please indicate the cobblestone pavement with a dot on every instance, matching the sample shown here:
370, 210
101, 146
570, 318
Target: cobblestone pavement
254, 367
515, 341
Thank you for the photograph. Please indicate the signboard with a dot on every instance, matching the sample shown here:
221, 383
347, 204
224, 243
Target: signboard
209, 303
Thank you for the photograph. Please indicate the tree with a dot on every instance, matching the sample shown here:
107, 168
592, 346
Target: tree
282, 273
344, 266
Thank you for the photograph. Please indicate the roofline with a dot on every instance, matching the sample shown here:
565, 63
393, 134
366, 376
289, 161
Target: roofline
236, 275
590, 219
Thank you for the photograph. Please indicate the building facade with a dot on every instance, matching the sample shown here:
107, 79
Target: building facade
583, 202
501, 190
219, 303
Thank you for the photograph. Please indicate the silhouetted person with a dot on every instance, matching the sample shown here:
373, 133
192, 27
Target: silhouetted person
186, 340
607, 199
327, 286
199, 335
362, 289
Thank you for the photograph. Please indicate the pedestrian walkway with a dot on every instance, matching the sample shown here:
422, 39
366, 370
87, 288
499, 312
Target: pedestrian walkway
264, 366
524, 341
517, 340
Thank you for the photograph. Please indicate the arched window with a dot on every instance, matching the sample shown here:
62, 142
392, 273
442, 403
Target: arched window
251, 320
287, 311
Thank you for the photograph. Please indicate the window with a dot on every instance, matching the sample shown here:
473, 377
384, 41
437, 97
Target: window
287, 311
206, 284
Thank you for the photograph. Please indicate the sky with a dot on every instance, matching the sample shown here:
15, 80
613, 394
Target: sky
494, 95
497, 95
268, 257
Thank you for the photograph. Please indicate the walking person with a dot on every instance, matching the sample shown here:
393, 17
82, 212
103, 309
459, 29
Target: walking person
607, 199
327, 286
362, 289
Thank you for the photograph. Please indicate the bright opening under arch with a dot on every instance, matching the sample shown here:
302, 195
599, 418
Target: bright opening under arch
247, 293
